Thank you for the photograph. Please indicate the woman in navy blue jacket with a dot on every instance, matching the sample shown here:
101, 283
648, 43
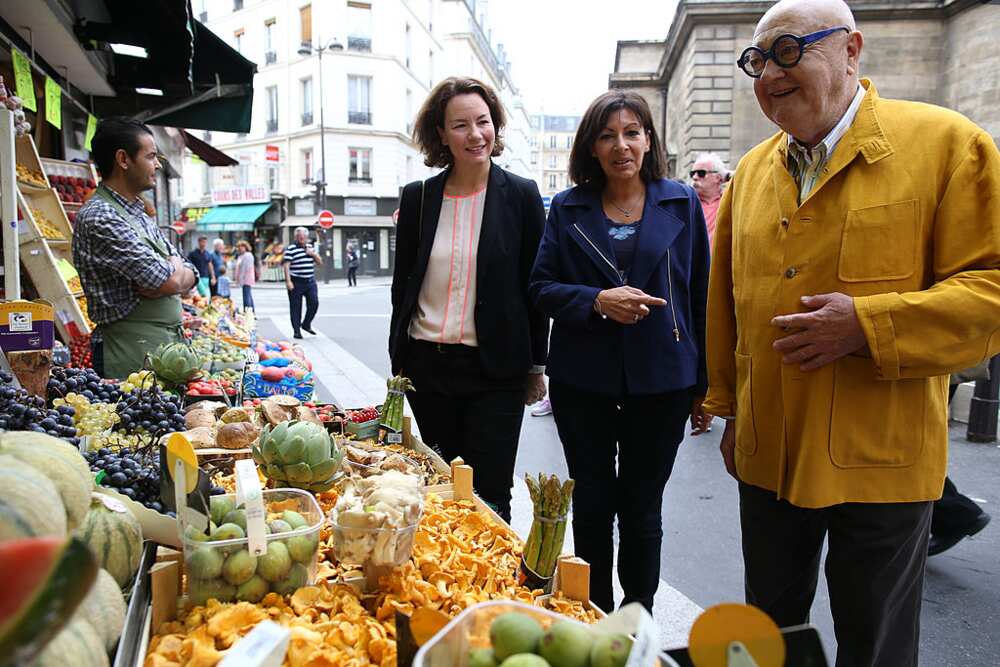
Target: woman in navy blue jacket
622, 270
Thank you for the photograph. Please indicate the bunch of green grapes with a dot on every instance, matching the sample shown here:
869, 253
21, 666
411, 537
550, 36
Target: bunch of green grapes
89, 418
115, 442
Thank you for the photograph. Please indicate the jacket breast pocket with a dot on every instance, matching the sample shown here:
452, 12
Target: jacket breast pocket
879, 243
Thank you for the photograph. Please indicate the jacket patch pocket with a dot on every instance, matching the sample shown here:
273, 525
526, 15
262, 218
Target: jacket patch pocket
746, 433
879, 243
874, 423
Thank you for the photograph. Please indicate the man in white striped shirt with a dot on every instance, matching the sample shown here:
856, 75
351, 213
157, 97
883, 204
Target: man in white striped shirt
299, 261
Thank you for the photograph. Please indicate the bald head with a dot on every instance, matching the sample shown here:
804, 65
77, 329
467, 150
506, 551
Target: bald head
806, 15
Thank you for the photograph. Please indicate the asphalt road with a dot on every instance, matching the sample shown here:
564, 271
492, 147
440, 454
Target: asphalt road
701, 549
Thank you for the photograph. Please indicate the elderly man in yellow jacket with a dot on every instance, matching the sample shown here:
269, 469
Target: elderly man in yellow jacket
856, 264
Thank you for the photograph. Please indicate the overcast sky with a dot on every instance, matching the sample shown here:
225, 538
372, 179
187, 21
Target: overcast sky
563, 50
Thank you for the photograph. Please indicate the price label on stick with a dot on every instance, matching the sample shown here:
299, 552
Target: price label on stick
23, 81
53, 103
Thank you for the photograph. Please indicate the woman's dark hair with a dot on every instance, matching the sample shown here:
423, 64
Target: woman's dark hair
113, 134
430, 118
584, 168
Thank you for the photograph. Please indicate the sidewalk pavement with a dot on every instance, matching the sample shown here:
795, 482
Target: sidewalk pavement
339, 284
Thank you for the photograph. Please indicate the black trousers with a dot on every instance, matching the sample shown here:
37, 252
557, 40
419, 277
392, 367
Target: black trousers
642, 433
465, 413
303, 288
874, 568
352, 276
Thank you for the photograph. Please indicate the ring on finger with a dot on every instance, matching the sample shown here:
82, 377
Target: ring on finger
636, 317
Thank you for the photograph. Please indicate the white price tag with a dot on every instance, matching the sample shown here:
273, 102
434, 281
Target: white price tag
249, 494
265, 646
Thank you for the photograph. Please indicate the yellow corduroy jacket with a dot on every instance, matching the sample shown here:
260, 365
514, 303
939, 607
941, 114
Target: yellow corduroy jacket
906, 220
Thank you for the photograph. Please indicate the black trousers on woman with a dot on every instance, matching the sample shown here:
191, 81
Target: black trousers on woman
465, 413
643, 434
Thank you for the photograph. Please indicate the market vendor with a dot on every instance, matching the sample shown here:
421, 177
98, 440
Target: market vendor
131, 275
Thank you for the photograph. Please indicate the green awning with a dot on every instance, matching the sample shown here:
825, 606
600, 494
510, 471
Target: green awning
232, 218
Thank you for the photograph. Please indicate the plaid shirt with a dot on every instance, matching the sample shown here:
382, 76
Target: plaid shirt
113, 260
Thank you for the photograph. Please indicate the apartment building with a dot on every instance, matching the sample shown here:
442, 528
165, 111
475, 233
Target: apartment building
550, 151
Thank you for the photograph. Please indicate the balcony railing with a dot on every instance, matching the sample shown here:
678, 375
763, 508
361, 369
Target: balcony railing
307, 118
272, 125
365, 180
270, 57
363, 44
359, 117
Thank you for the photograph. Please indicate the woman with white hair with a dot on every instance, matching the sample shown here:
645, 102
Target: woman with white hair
708, 173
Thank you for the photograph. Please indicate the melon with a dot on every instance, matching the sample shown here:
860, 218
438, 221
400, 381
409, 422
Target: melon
58, 460
106, 604
30, 505
79, 644
114, 535
53, 577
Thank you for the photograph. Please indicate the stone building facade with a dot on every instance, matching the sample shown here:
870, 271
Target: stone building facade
551, 147
942, 52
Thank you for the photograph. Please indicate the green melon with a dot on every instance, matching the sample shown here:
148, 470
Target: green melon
79, 644
115, 536
30, 505
58, 460
105, 605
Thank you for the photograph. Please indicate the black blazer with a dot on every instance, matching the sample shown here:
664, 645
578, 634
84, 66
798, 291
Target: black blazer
512, 333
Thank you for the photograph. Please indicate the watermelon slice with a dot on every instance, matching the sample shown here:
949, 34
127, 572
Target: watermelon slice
45, 579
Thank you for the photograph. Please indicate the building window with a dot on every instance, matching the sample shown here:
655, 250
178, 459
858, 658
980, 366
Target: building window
552, 141
306, 23
534, 157
430, 16
307, 165
409, 168
409, 46
569, 141
237, 5
552, 181
552, 162
359, 26
272, 109
272, 179
307, 101
430, 69
361, 165
238, 36
409, 111
270, 54
359, 100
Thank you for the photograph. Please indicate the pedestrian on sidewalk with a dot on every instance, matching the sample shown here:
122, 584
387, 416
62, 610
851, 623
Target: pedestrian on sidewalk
352, 266
218, 259
709, 175
855, 266
300, 262
201, 259
246, 272
222, 283
623, 273
463, 329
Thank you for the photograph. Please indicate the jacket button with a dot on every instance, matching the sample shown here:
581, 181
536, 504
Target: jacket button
791, 272
784, 223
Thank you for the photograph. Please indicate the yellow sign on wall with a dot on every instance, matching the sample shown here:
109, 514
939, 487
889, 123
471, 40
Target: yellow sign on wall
23, 81
53, 102
91, 131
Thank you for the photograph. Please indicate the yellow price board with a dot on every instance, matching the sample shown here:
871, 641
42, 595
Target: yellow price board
22, 79
91, 131
53, 103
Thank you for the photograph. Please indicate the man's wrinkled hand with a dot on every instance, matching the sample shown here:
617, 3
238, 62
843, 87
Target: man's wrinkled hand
827, 333
701, 421
534, 388
728, 448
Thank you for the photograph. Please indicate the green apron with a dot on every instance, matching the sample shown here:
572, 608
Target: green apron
153, 322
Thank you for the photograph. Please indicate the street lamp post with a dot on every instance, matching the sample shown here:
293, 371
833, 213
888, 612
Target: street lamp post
308, 49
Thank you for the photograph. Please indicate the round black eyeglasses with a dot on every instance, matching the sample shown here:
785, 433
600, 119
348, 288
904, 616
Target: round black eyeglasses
786, 51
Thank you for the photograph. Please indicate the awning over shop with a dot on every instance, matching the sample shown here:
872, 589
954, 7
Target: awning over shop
340, 221
233, 218
212, 156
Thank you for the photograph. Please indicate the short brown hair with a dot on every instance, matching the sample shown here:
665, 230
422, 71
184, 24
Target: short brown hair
430, 118
584, 168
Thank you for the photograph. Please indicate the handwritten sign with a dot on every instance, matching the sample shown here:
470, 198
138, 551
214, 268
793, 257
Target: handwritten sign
53, 103
23, 81
91, 131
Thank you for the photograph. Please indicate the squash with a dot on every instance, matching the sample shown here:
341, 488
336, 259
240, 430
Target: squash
114, 535
105, 606
58, 460
79, 644
30, 505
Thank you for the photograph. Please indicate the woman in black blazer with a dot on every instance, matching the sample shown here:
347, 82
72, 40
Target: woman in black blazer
463, 328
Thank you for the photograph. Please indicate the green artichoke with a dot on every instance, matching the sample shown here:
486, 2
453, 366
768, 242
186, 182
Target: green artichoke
298, 454
175, 363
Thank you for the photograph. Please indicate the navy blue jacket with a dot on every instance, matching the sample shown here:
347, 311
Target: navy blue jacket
575, 262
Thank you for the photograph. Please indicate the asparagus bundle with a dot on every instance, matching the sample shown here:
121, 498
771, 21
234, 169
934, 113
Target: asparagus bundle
551, 499
392, 410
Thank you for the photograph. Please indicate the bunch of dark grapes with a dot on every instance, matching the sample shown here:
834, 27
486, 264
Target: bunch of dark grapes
135, 474
83, 381
152, 410
21, 411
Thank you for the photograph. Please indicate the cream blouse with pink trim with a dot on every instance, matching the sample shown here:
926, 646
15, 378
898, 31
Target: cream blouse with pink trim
447, 303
